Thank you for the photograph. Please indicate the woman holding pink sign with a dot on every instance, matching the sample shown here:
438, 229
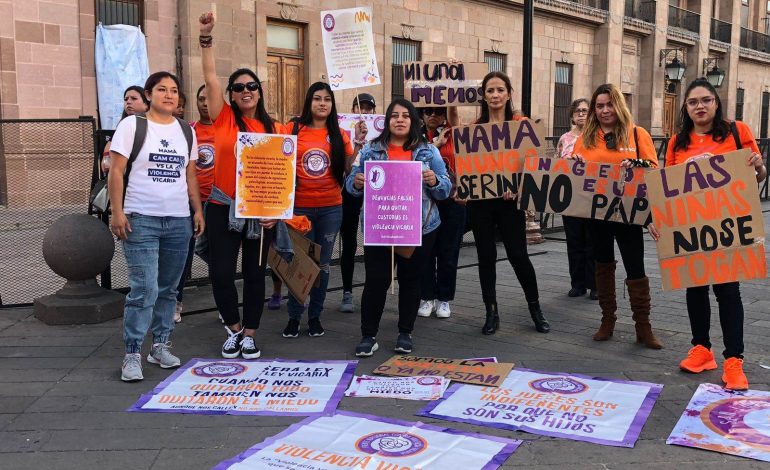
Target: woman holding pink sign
703, 131
401, 140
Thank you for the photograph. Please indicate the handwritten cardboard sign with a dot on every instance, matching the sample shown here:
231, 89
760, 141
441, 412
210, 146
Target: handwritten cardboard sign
375, 124
265, 175
591, 190
349, 48
489, 158
444, 83
392, 203
470, 371
710, 221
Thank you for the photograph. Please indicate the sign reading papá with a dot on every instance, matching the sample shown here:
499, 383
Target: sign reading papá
585, 189
489, 158
444, 83
470, 371
710, 222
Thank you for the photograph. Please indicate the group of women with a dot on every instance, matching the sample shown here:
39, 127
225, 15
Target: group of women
330, 171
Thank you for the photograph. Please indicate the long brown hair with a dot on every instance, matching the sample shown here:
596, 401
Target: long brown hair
509, 111
625, 120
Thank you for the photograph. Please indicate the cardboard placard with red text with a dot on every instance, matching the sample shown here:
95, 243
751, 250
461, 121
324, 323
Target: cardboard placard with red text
709, 218
470, 371
591, 190
489, 158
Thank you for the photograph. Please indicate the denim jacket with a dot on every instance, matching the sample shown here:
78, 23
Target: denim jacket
425, 153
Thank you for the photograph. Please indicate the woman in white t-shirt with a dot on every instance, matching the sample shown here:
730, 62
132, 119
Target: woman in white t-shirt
153, 220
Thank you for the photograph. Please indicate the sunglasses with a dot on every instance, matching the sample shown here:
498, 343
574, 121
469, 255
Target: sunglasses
609, 140
239, 87
433, 111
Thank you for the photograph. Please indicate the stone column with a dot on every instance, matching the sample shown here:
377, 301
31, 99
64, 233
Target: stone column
609, 47
651, 76
729, 90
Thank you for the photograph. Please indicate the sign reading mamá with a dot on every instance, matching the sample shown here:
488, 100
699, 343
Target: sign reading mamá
709, 218
444, 83
472, 371
489, 158
589, 190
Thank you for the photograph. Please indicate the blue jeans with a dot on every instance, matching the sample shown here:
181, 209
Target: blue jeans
156, 251
326, 223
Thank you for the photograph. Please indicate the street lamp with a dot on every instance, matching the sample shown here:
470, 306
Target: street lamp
675, 68
712, 72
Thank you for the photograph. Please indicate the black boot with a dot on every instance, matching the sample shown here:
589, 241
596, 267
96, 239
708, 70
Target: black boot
541, 324
493, 320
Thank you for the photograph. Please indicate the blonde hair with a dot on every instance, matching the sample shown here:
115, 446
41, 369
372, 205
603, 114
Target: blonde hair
625, 120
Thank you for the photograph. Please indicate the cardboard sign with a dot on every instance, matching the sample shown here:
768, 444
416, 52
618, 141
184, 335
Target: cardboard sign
591, 409
348, 440
723, 421
349, 48
392, 203
238, 387
375, 124
489, 158
301, 274
470, 371
709, 217
265, 175
444, 83
590, 190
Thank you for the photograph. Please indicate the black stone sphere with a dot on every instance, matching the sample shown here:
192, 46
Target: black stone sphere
77, 247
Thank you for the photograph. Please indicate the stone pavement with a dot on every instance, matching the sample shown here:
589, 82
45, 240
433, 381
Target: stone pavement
62, 404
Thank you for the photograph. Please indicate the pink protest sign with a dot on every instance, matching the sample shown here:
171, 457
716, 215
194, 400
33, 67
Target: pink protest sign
392, 203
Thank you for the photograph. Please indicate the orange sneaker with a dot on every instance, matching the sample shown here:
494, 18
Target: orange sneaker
698, 359
733, 377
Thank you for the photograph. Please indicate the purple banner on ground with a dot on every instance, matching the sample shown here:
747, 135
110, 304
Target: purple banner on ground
736, 423
277, 387
392, 203
592, 409
352, 440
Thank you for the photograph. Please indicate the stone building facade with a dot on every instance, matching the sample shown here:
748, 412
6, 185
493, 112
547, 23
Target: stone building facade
47, 49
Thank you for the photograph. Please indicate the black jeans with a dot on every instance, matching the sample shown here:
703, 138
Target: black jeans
730, 316
580, 253
487, 215
439, 274
186, 272
630, 241
351, 210
378, 277
224, 246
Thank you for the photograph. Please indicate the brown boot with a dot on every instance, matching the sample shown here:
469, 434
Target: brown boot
639, 296
605, 286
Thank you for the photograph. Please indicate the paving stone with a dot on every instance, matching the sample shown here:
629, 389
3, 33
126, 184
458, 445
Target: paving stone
94, 460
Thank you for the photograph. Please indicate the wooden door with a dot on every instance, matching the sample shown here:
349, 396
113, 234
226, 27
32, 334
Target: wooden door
285, 89
669, 114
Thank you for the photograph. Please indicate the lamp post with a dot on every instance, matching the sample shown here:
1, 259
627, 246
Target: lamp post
533, 228
712, 72
674, 68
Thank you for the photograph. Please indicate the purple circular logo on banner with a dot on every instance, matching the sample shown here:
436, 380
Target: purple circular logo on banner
315, 162
391, 444
219, 369
741, 419
428, 381
563, 385
376, 177
287, 147
328, 22
205, 156
379, 123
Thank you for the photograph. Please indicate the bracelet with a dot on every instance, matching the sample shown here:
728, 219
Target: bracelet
359, 142
205, 41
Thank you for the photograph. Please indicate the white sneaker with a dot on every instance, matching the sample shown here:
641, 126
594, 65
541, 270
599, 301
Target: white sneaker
132, 368
178, 313
426, 308
160, 354
443, 310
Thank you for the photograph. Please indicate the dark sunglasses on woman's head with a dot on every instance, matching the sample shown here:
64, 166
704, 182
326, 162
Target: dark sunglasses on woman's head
609, 139
433, 112
239, 87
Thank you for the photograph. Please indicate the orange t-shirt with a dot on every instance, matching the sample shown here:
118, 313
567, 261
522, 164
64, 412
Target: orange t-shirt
316, 185
700, 144
205, 164
398, 154
225, 134
600, 153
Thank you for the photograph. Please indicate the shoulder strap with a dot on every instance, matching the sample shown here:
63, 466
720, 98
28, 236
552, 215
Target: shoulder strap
736, 137
295, 127
188, 134
139, 135
636, 142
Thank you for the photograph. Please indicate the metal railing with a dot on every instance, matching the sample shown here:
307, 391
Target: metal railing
721, 30
684, 19
755, 40
642, 10
598, 4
